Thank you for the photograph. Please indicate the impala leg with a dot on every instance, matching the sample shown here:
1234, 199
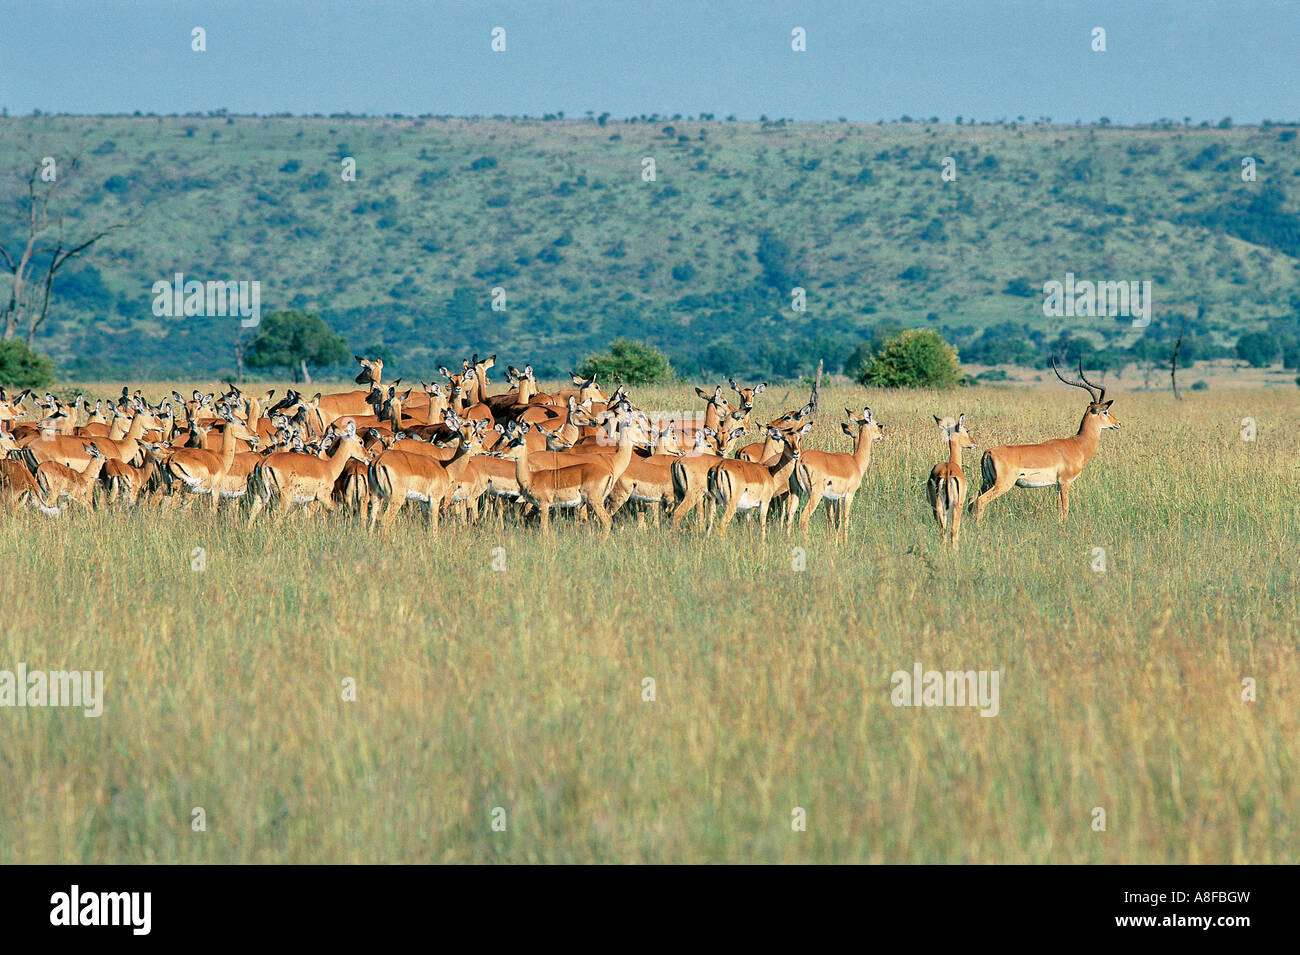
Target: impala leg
792, 502
1003, 484
846, 505
1063, 498
254, 509
600, 513
685, 506
762, 519
813, 500
391, 509
956, 518
283, 504
727, 516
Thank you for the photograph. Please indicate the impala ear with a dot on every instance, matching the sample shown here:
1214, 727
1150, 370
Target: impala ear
804, 412
760, 389
961, 422
805, 429
1106, 406
528, 370
702, 393
844, 426
442, 370
938, 421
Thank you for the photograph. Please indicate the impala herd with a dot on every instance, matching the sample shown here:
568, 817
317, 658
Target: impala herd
451, 448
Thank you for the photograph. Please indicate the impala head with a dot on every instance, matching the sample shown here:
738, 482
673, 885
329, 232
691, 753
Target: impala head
481, 368
791, 437
1099, 407
372, 370
238, 429
348, 443
588, 390
955, 432
93, 451
865, 425
706, 441
667, 438
717, 399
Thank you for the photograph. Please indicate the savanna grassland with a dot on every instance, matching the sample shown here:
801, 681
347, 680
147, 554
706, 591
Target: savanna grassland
521, 688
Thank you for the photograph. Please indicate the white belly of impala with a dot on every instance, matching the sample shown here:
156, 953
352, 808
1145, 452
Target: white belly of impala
417, 496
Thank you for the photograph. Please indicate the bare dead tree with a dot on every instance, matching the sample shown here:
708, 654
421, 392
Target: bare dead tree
816, 388
47, 249
1173, 365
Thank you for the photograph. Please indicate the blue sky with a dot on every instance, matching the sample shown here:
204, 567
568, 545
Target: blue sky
866, 60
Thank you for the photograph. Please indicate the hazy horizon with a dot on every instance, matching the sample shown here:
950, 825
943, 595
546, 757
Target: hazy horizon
990, 61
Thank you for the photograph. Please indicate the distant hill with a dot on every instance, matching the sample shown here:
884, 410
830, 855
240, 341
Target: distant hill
699, 261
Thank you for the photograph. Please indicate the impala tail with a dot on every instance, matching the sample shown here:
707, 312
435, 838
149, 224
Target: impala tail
678, 472
379, 480
988, 474
800, 482
951, 491
720, 486
258, 482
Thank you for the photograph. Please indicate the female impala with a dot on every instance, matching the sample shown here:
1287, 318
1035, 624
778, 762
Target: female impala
16, 482
1058, 462
199, 471
946, 486
586, 483
57, 482
744, 486
835, 477
397, 477
295, 477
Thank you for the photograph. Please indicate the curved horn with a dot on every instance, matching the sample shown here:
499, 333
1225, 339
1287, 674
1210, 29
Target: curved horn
1072, 384
1101, 392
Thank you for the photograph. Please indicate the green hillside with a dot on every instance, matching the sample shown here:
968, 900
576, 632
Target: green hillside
700, 261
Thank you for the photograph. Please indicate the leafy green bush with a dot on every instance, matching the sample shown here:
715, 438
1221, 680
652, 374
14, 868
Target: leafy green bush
629, 361
918, 358
295, 340
20, 367
1258, 349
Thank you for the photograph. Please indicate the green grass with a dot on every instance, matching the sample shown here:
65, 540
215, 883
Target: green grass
586, 249
522, 688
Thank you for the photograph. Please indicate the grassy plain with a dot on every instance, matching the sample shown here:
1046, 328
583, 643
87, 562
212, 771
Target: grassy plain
522, 688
